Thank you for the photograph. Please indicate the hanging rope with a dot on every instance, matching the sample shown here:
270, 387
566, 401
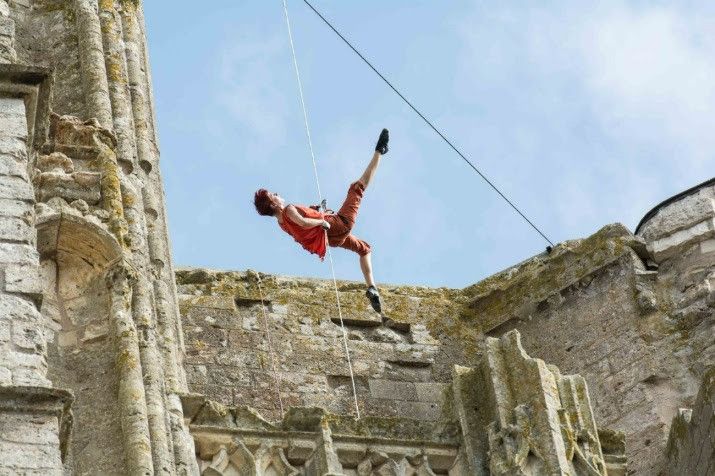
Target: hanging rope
276, 377
320, 196
430, 124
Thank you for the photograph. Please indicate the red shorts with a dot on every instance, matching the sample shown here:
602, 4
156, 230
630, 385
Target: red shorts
341, 223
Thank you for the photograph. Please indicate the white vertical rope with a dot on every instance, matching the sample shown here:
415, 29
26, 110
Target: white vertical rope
276, 377
320, 195
302, 100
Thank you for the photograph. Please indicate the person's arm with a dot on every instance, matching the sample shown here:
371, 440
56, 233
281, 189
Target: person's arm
304, 222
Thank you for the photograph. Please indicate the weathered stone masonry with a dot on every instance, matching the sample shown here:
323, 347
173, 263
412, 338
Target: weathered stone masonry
602, 307
99, 270
95, 377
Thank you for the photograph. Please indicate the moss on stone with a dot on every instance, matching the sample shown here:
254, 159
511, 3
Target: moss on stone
503, 294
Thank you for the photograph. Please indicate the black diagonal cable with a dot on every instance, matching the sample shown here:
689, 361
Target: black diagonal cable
429, 123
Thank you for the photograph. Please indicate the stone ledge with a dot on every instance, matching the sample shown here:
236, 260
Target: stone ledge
517, 291
203, 414
42, 400
676, 243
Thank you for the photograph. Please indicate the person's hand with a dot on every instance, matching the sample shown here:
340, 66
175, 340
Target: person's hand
325, 225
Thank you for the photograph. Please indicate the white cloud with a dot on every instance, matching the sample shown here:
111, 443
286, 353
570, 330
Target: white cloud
249, 89
654, 76
618, 100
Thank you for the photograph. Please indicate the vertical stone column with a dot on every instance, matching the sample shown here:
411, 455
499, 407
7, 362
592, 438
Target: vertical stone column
31, 411
167, 321
143, 305
154, 202
7, 35
94, 74
132, 400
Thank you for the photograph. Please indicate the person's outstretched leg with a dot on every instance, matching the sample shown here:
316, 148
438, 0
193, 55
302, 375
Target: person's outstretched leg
380, 150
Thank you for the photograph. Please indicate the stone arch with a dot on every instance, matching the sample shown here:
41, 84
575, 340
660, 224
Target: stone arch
75, 254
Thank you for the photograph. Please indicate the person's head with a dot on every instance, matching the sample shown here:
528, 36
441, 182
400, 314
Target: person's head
267, 203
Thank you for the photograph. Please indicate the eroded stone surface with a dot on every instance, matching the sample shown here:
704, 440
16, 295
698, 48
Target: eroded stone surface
81, 199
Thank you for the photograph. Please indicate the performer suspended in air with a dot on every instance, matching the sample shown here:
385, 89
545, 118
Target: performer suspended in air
307, 224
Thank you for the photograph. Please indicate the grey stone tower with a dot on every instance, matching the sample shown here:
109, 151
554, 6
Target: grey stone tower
88, 302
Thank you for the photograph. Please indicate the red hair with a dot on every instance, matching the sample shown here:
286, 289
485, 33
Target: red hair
263, 203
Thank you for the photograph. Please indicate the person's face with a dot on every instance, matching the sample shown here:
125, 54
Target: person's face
276, 199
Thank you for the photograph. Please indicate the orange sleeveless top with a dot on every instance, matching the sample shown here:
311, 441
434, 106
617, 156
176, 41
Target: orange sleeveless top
311, 239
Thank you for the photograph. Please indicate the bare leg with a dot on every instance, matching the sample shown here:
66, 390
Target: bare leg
370, 170
366, 267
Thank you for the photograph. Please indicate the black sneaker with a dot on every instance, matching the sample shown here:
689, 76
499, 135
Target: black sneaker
381, 146
374, 298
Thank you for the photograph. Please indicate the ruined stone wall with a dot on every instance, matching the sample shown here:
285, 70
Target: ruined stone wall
691, 445
619, 319
514, 415
88, 304
596, 328
402, 370
601, 307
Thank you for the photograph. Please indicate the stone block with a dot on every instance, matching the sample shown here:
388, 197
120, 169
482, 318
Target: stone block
55, 161
5, 376
12, 167
679, 241
30, 377
20, 458
16, 188
13, 147
15, 360
12, 107
707, 246
23, 279
76, 186
11, 126
35, 430
17, 308
430, 392
16, 230
27, 336
67, 338
95, 331
680, 215
419, 410
5, 334
390, 389
16, 208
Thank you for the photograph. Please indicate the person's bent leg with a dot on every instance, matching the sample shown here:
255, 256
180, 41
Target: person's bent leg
366, 267
349, 209
363, 249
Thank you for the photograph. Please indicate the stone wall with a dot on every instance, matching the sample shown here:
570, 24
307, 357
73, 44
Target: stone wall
402, 370
31, 411
88, 300
691, 445
83, 236
600, 307
512, 414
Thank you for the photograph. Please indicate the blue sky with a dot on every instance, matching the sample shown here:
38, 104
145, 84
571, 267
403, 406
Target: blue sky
582, 114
